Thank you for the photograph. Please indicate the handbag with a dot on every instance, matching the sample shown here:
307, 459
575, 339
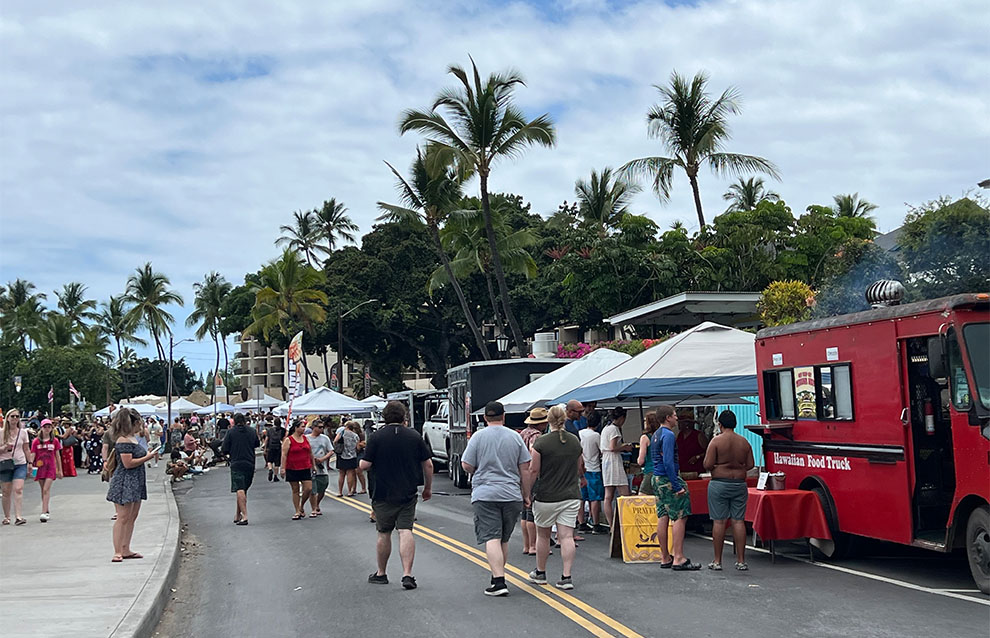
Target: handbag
109, 467
7, 465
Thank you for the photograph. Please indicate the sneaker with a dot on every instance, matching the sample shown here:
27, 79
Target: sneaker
497, 589
271, 475
600, 529
44, 517
742, 567
564, 583
408, 582
537, 577
715, 567
585, 528
375, 579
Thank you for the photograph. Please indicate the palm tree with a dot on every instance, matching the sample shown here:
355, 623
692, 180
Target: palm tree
117, 324
73, 303
304, 236
852, 206
428, 196
484, 126
335, 223
149, 292
745, 194
603, 200
57, 331
21, 312
464, 235
693, 128
93, 340
210, 294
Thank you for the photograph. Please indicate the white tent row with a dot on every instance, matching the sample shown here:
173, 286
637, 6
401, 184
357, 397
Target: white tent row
323, 400
144, 409
215, 408
258, 404
179, 406
562, 380
375, 401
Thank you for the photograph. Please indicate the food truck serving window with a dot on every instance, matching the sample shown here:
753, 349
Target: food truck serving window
810, 392
834, 392
778, 386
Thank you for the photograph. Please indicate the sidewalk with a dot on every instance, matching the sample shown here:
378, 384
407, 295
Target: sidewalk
57, 579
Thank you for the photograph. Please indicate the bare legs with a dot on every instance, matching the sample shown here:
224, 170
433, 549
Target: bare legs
496, 552
407, 550
300, 494
678, 528
46, 494
241, 506
360, 477
351, 481
529, 537
565, 537
7, 489
15, 487
738, 539
123, 528
610, 493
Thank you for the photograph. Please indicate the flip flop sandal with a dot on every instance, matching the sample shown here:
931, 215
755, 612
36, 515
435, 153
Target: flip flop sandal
715, 567
667, 565
313, 514
20, 521
133, 555
686, 566
117, 559
296, 517
243, 521
6, 521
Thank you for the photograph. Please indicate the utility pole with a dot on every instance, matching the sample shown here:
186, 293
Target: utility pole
169, 382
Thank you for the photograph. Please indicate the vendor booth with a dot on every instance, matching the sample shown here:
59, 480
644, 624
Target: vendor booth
264, 403
562, 380
216, 408
322, 400
143, 409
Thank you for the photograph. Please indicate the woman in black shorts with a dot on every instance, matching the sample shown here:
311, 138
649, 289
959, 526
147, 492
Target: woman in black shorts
273, 436
297, 466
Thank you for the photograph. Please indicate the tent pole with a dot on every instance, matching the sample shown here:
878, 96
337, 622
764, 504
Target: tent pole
642, 417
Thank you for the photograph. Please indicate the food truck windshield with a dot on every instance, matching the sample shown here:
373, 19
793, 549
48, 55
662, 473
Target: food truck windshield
977, 338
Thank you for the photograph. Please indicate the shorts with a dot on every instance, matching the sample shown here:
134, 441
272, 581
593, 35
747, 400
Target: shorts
559, 513
595, 489
389, 516
727, 499
274, 456
19, 472
240, 480
495, 519
646, 487
297, 476
320, 483
668, 503
527, 515
346, 464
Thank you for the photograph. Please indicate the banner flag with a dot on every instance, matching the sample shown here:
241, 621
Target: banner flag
73, 390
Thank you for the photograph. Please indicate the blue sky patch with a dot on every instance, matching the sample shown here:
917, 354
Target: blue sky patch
208, 70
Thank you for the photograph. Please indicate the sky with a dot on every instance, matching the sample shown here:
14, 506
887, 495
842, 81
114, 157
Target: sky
185, 133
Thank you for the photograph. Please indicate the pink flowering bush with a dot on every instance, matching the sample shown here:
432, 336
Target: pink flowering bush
629, 346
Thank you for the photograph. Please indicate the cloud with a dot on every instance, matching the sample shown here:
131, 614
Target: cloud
185, 134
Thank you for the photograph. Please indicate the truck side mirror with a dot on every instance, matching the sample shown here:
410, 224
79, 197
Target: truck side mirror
936, 358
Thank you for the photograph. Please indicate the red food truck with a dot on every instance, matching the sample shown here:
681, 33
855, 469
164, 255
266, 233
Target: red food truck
885, 414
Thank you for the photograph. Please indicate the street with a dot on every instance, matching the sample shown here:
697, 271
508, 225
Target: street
278, 576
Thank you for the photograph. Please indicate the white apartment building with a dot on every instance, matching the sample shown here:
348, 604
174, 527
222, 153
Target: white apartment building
269, 366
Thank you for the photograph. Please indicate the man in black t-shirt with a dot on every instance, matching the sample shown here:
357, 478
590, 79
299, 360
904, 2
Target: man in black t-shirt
239, 446
398, 459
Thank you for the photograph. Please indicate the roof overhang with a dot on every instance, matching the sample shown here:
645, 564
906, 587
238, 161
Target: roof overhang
691, 308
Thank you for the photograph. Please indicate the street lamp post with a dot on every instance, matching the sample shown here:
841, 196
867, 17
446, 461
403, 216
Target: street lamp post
340, 341
502, 343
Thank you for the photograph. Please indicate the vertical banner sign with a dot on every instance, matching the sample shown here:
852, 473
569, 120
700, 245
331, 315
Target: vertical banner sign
334, 379
295, 356
367, 380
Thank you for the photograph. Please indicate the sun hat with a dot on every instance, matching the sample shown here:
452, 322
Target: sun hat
537, 416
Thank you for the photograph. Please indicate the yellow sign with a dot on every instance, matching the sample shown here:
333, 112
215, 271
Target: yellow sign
637, 529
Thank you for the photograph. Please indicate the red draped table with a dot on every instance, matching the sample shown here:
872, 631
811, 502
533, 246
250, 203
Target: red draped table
786, 514
698, 489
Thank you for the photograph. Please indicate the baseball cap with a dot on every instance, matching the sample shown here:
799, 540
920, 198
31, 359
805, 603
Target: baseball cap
494, 408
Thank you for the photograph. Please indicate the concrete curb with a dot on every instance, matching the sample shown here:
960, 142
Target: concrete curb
144, 614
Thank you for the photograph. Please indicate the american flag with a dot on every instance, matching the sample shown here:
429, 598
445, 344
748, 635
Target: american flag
51, 394
73, 390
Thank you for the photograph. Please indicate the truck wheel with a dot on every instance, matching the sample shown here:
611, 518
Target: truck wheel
841, 544
978, 547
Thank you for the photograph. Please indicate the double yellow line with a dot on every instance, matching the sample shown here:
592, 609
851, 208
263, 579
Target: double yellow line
560, 601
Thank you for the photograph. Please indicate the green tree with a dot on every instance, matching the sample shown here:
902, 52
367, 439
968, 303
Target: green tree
149, 293
603, 200
428, 197
483, 125
693, 128
121, 326
746, 193
819, 235
207, 304
303, 236
57, 331
74, 305
53, 367
746, 250
944, 247
852, 206
335, 223
145, 376
93, 340
21, 312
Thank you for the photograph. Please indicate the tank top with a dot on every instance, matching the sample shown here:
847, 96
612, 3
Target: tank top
300, 456
648, 465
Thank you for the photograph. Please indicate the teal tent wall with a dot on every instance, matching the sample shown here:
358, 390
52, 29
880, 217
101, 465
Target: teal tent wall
748, 414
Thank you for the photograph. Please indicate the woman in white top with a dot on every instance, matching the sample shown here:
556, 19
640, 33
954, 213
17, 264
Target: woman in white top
613, 471
15, 452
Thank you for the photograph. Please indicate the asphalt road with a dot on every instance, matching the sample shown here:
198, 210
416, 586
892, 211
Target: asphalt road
279, 577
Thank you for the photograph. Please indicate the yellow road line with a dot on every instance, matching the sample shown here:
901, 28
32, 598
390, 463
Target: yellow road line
625, 631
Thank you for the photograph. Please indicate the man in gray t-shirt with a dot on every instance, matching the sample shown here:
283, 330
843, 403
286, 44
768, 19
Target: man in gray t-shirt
322, 451
499, 461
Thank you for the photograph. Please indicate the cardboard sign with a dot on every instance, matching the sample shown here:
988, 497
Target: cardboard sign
635, 531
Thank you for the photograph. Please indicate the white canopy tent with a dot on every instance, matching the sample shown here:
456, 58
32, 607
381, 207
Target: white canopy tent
562, 380
144, 409
323, 400
258, 404
214, 408
709, 361
179, 406
375, 401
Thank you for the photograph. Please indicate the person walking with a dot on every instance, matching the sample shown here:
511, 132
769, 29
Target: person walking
322, 449
536, 424
69, 440
645, 459
729, 457
362, 443
46, 457
238, 446
272, 438
297, 467
499, 461
613, 471
399, 461
15, 451
347, 441
156, 431
673, 501
558, 463
93, 449
128, 481
593, 490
